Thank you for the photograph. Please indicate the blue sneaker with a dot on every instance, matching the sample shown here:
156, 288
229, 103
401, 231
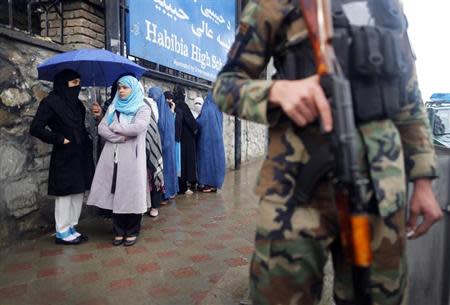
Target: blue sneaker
67, 238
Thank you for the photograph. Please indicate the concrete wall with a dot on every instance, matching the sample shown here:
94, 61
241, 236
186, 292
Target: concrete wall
253, 140
428, 256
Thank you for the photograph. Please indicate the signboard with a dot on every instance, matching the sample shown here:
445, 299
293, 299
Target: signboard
192, 36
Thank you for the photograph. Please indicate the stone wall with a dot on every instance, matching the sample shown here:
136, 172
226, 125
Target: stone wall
24, 206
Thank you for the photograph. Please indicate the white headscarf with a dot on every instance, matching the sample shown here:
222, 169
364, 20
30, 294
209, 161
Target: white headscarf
198, 104
152, 103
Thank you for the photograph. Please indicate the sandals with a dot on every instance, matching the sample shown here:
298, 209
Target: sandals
129, 241
208, 189
118, 240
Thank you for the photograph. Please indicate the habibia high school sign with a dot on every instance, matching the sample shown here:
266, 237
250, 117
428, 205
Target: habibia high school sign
192, 36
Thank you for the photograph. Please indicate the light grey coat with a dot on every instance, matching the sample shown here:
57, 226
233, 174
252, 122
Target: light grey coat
131, 184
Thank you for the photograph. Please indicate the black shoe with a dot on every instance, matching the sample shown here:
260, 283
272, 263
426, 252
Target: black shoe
83, 238
117, 242
60, 241
129, 243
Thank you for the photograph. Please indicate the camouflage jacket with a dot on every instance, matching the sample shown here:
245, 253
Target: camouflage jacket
391, 150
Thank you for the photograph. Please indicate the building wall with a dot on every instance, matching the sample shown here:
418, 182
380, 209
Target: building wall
24, 161
84, 25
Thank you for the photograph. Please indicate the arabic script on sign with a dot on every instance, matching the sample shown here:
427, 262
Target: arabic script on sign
170, 10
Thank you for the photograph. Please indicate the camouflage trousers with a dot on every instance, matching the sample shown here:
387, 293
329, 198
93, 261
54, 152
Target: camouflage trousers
292, 246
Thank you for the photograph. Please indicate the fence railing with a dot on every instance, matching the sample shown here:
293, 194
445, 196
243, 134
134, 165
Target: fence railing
26, 15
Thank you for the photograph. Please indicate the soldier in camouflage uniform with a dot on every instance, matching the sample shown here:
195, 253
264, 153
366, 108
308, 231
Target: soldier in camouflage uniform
293, 240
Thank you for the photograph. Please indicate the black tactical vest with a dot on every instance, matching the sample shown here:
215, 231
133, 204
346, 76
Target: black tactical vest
373, 49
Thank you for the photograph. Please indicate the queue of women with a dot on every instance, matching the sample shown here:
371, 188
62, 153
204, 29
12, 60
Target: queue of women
155, 148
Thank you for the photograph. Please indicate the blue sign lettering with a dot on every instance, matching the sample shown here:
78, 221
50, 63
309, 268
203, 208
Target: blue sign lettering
192, 36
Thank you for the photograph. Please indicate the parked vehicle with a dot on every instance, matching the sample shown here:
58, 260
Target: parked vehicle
438, 109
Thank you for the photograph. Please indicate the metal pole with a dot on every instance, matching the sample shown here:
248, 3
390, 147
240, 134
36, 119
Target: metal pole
122, 27
10, 13
237, 121
29, 16
237, 143
112, 28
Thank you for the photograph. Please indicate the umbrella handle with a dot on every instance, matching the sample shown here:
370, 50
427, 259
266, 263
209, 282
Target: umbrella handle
92, 96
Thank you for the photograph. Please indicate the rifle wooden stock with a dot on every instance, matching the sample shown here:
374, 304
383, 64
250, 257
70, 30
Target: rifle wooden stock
320, 31
361, 237
354, 222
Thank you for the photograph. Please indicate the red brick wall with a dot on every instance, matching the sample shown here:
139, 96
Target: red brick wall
84, 25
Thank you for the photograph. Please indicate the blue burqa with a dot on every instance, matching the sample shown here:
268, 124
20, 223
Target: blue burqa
166, 126
210, 147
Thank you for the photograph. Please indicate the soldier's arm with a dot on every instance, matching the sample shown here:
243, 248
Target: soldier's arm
239, 92
420, 161
413, 124
238, 89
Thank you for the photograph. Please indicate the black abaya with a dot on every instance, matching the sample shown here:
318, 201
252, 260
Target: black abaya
188, 143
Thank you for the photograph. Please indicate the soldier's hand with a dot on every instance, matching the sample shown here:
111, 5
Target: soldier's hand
423, 203
303, 101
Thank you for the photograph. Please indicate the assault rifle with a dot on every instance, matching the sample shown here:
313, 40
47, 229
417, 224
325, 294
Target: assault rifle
351, 186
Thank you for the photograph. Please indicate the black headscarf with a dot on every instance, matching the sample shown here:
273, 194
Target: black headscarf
168, 95
71, 108
178, 94
61, 88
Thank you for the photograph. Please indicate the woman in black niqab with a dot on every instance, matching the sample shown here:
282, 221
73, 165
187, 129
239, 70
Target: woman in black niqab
59, 121
185, 130
69, 97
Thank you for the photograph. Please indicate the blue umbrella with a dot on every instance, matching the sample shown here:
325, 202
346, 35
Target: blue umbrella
96, 67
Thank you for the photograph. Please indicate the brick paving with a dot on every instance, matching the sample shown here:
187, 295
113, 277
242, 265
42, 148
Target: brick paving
181, 256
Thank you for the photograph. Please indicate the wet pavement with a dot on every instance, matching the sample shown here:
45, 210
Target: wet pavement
196, 252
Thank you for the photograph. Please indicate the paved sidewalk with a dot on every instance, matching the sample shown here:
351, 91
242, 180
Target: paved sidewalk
196, 252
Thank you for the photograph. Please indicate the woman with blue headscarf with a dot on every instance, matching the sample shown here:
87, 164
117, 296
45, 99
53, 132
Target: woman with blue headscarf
166, 126
210, 147
120, 181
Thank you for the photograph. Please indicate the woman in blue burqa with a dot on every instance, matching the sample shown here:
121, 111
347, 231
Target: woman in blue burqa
166, 126
210, 147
